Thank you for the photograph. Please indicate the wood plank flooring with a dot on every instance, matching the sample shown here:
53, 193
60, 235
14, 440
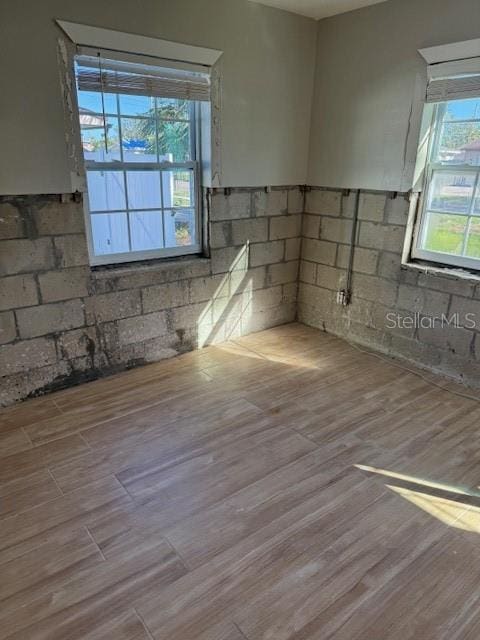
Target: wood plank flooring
285, 486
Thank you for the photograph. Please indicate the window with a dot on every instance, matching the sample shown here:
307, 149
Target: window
448, 230
140, 129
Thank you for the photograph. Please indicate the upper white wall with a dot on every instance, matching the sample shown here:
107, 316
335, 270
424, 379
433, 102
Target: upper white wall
267, 67
369, 78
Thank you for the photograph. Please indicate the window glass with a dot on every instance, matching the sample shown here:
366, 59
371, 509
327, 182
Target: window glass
110, 233
146, 229
450, 222
137, 201
144, 189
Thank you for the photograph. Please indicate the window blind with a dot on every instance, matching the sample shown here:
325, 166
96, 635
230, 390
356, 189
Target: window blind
457, 88
110, 76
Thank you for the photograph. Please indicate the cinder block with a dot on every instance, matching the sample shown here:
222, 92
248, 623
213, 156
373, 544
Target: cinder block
358, 311
11, 223
389, 266
18, 291
20, 256
247, 280
438, 282
78, 343
20, 385
292, 248
253, 230
373, 288
396, 210
64, 284
266, 253
408, 276
379, 236
112, 306
190, 316
319, 251
311, 226
205, 289
220, 234
295, 200
323, 202
372, 206
230, 259
261, 320
57, 218
385, 319
273, 203
289, 292
27, 355
50, 318
149, 275
8, 330
330, 277
282, 273
364, 260
140, 328
336, 230
468, 312
448, 338
308, 272
266, 298
236, 205
415, 351
165, 296
313, 296
285, 227
415, 299
71, 250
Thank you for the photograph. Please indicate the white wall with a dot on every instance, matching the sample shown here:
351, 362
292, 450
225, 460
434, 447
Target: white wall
267, 65
369, 76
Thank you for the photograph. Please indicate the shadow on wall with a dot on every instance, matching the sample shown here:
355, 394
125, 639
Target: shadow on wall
228, 312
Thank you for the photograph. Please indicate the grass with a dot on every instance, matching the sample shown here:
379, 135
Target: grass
446, 235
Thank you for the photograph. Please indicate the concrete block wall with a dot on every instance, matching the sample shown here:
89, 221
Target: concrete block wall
62, 322
382, 288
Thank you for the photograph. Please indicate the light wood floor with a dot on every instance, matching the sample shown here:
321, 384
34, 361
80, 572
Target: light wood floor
285, 486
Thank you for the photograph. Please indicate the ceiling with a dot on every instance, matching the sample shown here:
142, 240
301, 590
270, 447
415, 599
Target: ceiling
318, 8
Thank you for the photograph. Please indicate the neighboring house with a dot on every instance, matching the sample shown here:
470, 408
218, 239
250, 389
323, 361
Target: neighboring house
471, 153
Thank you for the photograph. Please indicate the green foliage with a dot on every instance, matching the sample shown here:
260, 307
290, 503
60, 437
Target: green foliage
173, 134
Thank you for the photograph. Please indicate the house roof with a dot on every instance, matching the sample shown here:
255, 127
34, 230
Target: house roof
471, 146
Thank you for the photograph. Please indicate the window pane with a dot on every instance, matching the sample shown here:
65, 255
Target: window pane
136, 105
92, 101
110, 233
94, 135
106, 190
462, 109
174, 140
139, 140
459, 143
143, 189
451, 192
178, 188
473, 242
445, 233
146, 230
476, 202
173, 108
180, 228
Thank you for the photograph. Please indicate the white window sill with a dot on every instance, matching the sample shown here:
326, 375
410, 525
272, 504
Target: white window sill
452, 273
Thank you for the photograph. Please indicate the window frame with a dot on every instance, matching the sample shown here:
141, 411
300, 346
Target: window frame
193, 165
432, 168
